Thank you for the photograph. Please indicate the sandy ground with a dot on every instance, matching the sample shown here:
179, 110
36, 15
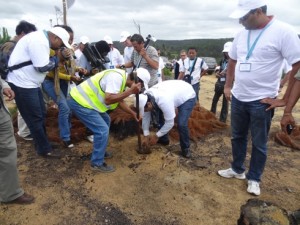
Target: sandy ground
160, 188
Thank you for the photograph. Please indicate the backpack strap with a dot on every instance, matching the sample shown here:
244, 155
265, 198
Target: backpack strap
18, 66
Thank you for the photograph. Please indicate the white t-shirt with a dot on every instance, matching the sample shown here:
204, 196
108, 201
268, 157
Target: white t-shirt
169, 95
127, 57
186, 66
35, 47
115, 58
277, 42
161, 66
111, 83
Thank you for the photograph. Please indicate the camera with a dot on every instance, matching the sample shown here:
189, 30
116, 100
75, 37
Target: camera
95, 56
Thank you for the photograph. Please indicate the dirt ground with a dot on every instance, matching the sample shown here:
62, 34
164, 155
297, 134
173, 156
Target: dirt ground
159, 188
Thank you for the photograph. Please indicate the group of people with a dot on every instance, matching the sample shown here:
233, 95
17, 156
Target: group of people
250, 76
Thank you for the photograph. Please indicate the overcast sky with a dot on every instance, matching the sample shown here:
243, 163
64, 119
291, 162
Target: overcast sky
166, 20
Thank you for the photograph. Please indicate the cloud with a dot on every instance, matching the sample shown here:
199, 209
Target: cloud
167, 20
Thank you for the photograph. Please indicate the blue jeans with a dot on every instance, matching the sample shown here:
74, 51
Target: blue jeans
99, 124
196, 88
31, 105
64, 112
253, 116
184, 112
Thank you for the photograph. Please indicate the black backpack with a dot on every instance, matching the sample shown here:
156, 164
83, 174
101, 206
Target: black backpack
5, 52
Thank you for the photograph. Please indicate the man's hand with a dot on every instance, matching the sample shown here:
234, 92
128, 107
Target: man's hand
273, 103
135, 88
227, 93
143, 52
75, 78
286, 119
9, 93
153, 139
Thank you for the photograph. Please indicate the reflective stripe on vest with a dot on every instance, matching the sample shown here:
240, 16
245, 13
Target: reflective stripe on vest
90, 95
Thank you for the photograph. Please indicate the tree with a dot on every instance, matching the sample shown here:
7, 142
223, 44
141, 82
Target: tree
5, 36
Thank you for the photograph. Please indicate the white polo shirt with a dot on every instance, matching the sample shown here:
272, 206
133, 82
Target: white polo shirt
186, 66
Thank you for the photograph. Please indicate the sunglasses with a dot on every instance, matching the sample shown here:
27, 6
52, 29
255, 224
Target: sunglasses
247, 15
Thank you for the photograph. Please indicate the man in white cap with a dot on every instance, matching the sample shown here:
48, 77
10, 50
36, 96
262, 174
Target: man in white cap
219, 86
166, 97
256, 56
91, 100
26, 81
114, 54
125, 39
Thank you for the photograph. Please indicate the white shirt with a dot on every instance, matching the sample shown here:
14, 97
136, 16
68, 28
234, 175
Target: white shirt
186, 66
115, 58
127, 57
168, 95
35, 47
161, 66
277, 42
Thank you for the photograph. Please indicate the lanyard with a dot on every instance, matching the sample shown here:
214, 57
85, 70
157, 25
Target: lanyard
255, 42
224, 65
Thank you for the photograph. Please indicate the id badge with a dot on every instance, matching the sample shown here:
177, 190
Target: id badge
111, 67
245, 67
222, 79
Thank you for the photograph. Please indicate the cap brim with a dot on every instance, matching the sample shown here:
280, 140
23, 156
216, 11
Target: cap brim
238, 13
146, 86
66, 43
123, 39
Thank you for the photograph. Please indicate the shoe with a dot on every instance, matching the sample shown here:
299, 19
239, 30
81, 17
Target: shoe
186, 153
108, 155
23, 200
162, 142
51, 154
27, 138
229, 173
104, 168
253, 187
90, 138
68, 144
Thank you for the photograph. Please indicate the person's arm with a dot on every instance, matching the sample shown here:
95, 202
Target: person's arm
127, 109
154, 64
114, 98
7, 91
229, 78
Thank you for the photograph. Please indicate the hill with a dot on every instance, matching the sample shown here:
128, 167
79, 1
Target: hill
171, 48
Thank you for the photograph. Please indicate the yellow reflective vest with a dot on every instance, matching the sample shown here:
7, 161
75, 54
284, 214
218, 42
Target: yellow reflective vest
90, 95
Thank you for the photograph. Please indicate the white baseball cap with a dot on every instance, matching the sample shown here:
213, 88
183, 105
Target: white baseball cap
62, 34
108, 39
227, 46
245, 6
144, 75
84, 40
124, 36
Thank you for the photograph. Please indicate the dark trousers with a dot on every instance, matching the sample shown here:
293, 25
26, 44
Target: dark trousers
31, 105
219, 91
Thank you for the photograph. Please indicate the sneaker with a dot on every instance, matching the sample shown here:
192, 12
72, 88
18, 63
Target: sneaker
51, 155
90, 138
229, 173
68, 144
108, 155
27, 138
253, 187
104, 168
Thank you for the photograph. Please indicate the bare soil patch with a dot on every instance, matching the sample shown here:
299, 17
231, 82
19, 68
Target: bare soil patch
159, 188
